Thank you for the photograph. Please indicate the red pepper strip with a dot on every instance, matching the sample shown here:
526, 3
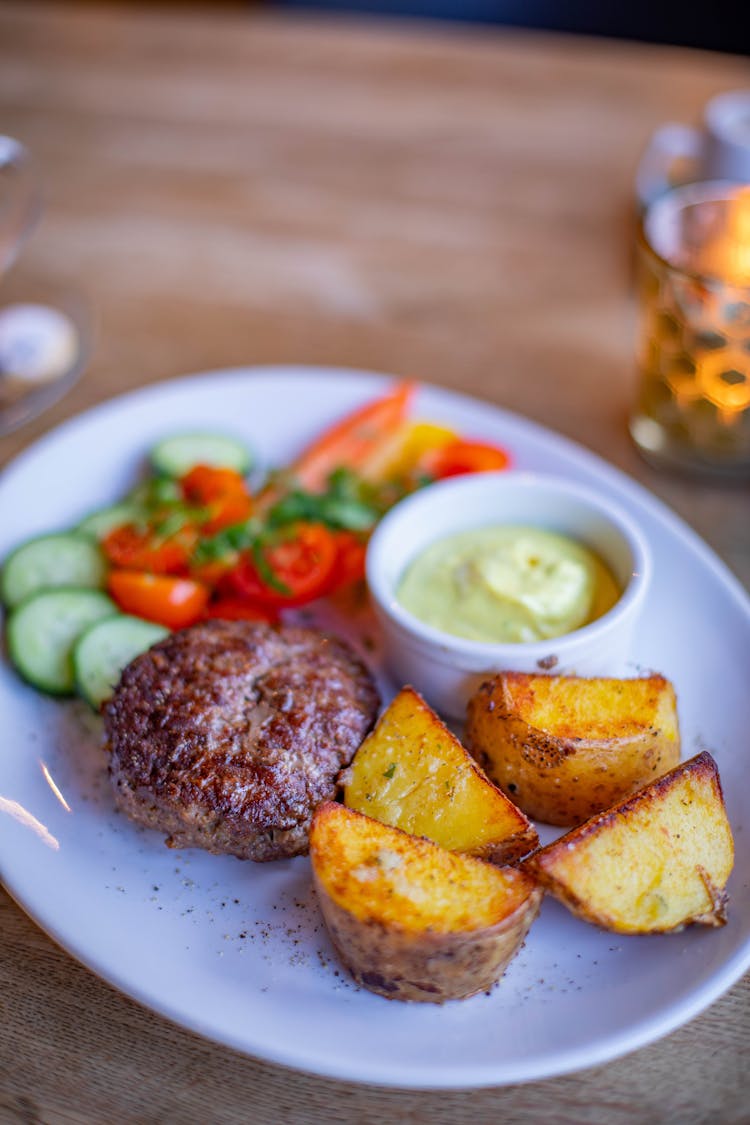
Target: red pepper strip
463, 456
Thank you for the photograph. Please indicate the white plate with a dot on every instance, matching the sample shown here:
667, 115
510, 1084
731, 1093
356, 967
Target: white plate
236, 951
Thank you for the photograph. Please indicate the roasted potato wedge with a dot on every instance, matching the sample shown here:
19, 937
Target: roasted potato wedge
413, 773
410, 920
652, 864
565, 747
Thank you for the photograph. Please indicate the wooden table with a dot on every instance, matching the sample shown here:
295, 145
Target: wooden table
232, 187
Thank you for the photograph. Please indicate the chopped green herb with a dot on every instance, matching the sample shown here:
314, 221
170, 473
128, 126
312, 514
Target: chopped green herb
228, 541
172, 522
390, 771
157, 492
265, 571
344, 506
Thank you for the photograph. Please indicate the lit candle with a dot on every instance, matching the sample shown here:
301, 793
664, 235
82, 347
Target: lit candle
693, 407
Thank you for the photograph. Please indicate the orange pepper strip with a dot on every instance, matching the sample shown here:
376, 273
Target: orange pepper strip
174, 602
356, 440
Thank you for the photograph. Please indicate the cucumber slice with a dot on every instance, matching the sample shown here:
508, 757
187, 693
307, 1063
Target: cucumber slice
101, 522
67, 558
176, 455
43, 629
104, 649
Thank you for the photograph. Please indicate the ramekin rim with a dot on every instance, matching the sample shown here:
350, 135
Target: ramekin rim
432, 637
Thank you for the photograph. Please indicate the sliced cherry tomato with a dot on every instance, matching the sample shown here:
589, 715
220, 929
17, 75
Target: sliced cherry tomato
222, 491
464, 456
207, 482
298, 568
213, 572
134, 548
239, 609
228, 510
350, 560
174, 602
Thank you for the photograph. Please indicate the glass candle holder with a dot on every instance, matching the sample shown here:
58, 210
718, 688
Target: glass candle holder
692, 409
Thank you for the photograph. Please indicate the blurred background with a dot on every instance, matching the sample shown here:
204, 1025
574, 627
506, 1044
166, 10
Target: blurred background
721, 26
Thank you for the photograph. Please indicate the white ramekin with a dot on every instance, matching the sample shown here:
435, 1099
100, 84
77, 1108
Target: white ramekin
445, 669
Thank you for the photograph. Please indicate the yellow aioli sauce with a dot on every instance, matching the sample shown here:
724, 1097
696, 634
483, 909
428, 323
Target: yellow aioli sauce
509, 583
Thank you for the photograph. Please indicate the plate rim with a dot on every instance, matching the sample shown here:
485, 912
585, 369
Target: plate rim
575, 1059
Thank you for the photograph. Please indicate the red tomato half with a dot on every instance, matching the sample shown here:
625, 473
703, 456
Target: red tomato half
301, 564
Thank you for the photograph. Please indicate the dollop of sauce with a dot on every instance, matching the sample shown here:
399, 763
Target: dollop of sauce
507, 583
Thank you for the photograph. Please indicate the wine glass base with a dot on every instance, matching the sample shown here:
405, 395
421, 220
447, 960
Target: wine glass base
42, 354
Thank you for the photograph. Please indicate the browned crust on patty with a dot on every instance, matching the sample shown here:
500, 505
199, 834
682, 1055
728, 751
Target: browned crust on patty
227, 735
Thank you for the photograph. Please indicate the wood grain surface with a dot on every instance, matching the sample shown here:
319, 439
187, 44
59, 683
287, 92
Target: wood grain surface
227, 187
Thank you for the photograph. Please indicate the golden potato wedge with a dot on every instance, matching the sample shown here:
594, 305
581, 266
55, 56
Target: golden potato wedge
413, 773
565, 747
652, 864
410, 920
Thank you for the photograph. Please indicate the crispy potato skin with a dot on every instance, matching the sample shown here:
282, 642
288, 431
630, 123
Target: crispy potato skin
413, 773
411, 920
564, 747
654, 863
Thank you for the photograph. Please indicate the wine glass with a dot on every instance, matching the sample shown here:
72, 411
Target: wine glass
42, 348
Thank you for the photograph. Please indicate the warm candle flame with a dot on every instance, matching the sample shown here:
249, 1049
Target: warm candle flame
737, 244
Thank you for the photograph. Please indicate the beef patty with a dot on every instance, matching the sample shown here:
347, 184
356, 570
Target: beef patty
228, 734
